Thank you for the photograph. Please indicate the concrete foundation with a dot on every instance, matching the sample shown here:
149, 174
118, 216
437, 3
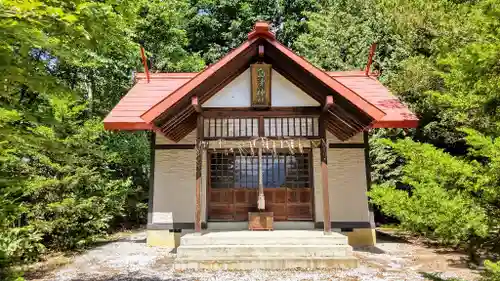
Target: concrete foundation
360, 237
163, 238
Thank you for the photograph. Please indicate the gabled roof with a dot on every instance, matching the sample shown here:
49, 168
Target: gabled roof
164, 103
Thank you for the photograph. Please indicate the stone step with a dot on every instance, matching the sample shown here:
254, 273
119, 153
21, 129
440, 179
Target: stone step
215, 252
264, 238
242, 263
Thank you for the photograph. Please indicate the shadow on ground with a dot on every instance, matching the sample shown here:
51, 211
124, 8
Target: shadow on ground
389, 237
369, 249
130, 277
437, 277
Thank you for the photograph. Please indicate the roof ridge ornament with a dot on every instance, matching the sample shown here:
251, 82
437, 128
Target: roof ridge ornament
371, 54
261, 29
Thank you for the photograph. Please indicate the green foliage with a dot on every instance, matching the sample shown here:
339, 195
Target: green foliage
492, 272
452, 199
452, 80
442, 181
339, 37
161, 28
65, 64
438, 205
217, 26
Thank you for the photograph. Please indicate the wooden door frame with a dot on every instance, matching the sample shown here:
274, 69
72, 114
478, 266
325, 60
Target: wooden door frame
208, 187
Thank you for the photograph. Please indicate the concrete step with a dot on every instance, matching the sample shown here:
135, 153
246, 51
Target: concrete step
215, 252
264, 238
242, 263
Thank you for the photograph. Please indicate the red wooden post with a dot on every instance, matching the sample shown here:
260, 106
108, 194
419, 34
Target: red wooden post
199, 151
370, 59
324, 176
145, 63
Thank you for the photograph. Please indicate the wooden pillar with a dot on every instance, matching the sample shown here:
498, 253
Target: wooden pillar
324, 176
152, 144
199, 151
368, 171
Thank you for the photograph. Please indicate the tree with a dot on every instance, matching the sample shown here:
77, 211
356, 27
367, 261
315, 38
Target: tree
64, 63
339, 37
217, 26
453, 199
162, 29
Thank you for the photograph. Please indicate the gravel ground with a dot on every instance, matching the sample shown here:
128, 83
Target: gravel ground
130, 259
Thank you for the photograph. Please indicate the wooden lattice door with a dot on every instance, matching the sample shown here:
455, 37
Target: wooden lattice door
233, 185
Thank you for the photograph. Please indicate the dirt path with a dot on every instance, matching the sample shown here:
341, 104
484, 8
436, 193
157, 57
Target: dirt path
130, 259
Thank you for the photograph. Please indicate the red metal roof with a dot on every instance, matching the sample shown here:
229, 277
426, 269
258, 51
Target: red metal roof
397, 115
127, 113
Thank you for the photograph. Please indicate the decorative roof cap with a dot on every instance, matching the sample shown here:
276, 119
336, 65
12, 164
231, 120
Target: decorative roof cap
261, 28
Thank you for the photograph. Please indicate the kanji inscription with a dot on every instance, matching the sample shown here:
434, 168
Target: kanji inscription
261, 85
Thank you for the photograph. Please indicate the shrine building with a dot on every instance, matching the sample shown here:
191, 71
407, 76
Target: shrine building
260, 139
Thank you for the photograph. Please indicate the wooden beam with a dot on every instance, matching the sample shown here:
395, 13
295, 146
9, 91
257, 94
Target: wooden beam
348, 117
195, 104
183, 129
346, 145
328, 103
272, 112
177, 119
174, 146
199, 151
145, 63
324, 176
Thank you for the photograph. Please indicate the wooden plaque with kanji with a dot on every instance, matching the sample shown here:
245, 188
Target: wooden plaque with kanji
261, 85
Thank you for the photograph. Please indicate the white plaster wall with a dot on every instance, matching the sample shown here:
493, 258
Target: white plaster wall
285, 94
238, 93
235, 94
347, 185
346, 182
175, 184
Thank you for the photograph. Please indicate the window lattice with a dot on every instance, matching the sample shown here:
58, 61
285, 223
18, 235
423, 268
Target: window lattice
291, 127
234, 170
231, 127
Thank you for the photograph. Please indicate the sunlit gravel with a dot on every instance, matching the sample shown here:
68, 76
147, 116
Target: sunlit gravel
130, 259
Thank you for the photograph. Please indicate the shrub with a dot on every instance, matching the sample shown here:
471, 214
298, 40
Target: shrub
492, 271
451, 199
